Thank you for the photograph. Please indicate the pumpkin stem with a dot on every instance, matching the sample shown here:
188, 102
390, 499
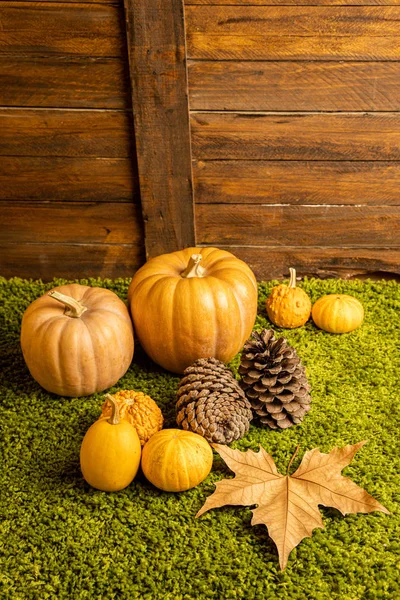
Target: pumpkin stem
73, 308
292, 281
114, 419
194, 268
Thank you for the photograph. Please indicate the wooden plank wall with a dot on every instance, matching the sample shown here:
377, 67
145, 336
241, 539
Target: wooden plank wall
69, 189
295, 123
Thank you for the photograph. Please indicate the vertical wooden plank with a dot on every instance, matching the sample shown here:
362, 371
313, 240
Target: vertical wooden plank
157, 63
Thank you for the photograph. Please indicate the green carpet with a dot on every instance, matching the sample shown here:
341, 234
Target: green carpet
60, 539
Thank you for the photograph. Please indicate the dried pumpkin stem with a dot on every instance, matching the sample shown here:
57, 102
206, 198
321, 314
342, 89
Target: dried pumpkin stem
73, 308
292, 281
194, 268
114, 419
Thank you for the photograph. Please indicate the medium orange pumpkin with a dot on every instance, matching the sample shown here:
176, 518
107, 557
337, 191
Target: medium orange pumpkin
287, 305
77, 340
175, 460
194, 303
338, 313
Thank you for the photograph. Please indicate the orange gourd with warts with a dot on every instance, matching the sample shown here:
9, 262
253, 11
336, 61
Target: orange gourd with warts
287, 305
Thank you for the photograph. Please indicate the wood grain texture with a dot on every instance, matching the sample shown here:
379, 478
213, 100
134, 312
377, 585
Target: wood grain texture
56, 179
51, 132
296, 182
53, 81
294, 85
292, 2
156, 43
80, 29
334, 226
70, 223
298, 136
273, 262
71, 261
293, 33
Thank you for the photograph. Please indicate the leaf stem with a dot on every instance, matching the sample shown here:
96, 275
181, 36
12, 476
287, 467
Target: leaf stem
292, 459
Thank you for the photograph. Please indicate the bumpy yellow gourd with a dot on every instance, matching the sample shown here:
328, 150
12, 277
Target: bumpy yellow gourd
175, 460
110, 452
139, 410
288, 306
338, 313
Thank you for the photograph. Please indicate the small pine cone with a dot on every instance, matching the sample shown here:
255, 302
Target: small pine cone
212, 403
274, 380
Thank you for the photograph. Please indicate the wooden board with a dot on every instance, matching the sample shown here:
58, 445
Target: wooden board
297, 182
258, 136
51, 132
80, 29
291, 2
332, 226
70, 223
71, 261
56, 81
293, 33
56, 179
156, 43
294, 85
272, 262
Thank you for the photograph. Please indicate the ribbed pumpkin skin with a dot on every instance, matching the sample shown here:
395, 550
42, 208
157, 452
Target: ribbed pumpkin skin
179, 320
77, 356
110, 455
175, 460
338, 313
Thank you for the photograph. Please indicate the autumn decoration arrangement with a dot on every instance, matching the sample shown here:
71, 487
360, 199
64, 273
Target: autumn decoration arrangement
192, 312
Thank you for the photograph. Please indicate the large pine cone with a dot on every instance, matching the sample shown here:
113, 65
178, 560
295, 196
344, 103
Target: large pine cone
274, 380
212, 403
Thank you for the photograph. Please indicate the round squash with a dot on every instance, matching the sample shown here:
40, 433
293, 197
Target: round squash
175, 460
140, 410
77, 340
338, 313
287, 305
110, 453
194, 303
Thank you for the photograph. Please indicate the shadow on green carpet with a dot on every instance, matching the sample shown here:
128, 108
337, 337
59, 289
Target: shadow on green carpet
60, 539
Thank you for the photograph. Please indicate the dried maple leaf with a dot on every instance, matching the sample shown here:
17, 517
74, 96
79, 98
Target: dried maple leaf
288, 504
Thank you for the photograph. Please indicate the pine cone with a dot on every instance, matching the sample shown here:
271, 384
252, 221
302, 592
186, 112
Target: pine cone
274, 380
212, 403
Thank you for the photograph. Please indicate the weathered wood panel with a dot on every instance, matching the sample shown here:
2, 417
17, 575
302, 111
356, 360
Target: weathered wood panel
294, 33
71, 223
297, 182
335, 226
51, 132
258, 136
292, 2
71, 261
68, 179
294, 85
56, 81
37, 28
156, 43
269, 262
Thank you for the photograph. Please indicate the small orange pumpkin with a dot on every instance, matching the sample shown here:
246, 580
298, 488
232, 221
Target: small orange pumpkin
175, 460
140, 410
194, 303
287, 305
110, 453
77, 340
338, 313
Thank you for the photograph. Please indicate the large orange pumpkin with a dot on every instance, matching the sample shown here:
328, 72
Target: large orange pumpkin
194, 303
77, 340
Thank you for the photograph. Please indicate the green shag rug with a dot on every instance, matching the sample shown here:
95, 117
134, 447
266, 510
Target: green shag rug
60, 539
